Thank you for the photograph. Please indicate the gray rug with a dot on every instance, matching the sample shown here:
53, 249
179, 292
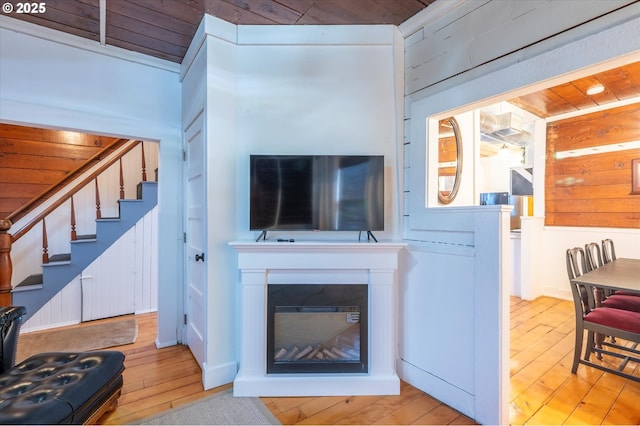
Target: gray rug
218, 409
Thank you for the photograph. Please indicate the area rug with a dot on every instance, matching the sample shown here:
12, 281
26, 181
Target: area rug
218, 409
85, 337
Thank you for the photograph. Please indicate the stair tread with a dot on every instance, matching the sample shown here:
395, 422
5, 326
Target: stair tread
64, 257
31, 280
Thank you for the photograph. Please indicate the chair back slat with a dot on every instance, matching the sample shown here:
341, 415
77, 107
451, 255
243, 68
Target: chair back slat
577, 266
608, 250
593, 256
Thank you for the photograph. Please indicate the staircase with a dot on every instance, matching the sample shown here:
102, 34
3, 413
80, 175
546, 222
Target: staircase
36, 290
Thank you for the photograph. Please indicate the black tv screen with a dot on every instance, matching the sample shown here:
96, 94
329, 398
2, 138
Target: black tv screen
317, 192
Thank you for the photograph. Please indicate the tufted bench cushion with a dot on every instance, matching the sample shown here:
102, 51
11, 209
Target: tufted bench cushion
56, 387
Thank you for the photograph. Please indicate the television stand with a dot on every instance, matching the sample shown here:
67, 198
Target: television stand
370, 236
262, 235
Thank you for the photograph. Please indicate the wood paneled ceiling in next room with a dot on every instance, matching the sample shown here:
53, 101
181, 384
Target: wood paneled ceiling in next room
618, 84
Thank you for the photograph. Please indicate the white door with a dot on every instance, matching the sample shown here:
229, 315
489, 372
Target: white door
196, 269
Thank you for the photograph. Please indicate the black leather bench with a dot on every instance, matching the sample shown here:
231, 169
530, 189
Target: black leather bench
55, 387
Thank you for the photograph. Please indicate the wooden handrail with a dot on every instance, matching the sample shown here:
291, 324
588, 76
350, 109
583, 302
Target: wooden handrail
48, 193
69, 193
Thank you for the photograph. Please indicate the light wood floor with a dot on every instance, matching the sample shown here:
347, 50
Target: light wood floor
543, 390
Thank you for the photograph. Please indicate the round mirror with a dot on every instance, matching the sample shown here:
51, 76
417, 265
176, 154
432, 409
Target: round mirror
449, 159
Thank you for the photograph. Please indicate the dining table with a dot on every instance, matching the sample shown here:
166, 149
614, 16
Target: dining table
619, 274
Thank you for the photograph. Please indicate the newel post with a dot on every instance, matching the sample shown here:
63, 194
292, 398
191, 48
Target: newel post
6, 269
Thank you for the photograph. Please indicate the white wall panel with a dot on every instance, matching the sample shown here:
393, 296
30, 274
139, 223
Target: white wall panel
108, 283
85, 204
58, 225
64, 309
474, 33
453, 299
146, 288
428, 294
308, 94
221, 123
29, 250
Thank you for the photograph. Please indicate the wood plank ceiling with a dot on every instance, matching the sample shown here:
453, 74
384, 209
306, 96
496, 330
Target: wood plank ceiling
164, 28
34, 160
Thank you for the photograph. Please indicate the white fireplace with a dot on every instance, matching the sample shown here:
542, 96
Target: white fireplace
293, 263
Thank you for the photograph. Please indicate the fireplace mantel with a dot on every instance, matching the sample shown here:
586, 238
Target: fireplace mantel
374, 264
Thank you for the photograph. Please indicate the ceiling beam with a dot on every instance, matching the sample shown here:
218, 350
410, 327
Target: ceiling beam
103, 22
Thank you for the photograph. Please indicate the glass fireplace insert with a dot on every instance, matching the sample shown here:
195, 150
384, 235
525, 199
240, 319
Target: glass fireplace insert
317, 328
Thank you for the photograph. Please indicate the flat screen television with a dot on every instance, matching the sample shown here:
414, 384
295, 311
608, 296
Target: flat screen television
317, 192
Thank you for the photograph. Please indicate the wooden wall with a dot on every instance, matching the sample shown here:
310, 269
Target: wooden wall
592, 190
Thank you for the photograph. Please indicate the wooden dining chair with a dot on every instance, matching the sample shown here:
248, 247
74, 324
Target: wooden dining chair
603, 320
581, 261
